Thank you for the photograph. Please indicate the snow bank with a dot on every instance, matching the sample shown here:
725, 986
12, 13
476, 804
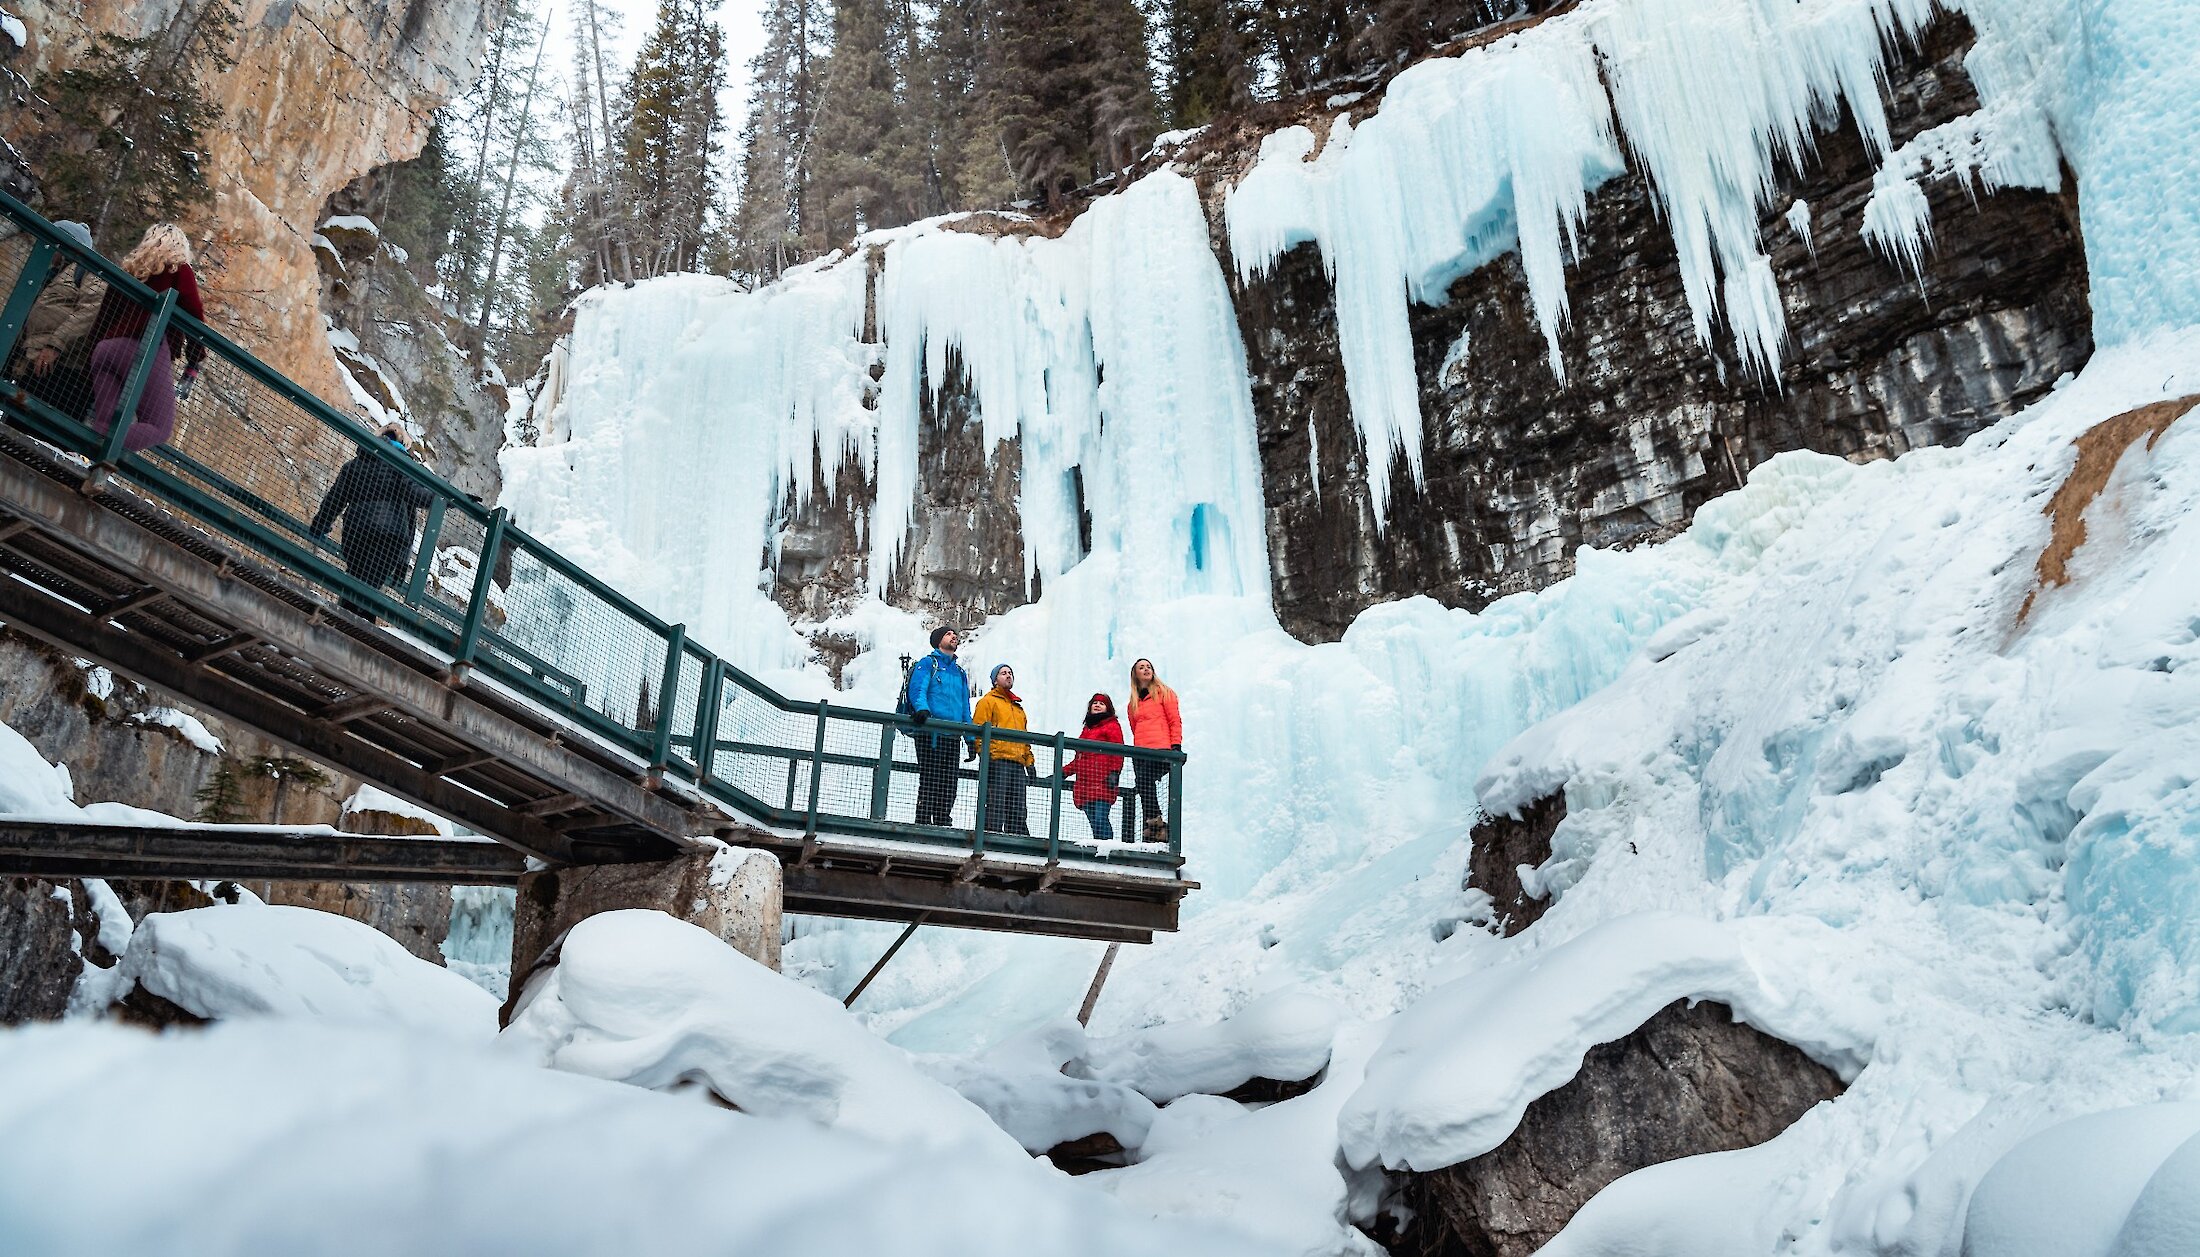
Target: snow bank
2068, 1191
1461, 1066
1020, 1085
1273, 1172
254, 1138
261, 960
33, 789
1284, 1036
640, 997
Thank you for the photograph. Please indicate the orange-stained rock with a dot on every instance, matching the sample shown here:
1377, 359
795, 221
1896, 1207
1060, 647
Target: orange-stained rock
322, 91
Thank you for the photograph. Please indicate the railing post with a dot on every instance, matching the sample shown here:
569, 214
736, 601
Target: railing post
668, 696
882, 776
477, 606
141, 372
1176, 808
817, 769
28, 285
706, 719
1054, 817
424, 556
985, 776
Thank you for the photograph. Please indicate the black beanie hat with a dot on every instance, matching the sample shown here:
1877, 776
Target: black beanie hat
940, 632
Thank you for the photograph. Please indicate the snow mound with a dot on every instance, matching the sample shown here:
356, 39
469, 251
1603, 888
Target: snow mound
1284, 1035
2066, 1191
257, 1138
1020, 1085
640, 997
259, 960
1461, 1065
1273, 1172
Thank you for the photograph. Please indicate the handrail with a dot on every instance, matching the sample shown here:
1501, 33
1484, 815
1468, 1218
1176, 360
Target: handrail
692, 744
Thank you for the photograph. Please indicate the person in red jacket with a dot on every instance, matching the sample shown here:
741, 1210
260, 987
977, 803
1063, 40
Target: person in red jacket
1154, 722
163, 261
1096, 772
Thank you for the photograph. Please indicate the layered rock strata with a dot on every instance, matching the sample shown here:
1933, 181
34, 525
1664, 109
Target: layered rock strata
1648, 424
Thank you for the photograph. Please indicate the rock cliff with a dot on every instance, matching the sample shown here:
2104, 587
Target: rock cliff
1648, 425
323, 91
1521, 467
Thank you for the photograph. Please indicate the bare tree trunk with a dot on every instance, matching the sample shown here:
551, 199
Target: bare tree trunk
504, 210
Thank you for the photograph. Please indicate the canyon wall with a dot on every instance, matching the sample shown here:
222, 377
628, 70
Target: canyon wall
323, 91
1522, 467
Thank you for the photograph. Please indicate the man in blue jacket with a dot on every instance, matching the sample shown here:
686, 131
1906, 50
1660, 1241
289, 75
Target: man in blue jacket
938, 687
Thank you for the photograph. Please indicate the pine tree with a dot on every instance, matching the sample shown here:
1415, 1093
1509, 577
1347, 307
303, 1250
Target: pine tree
769, 217
221, 799
1119, 87
131, 119
1208, 59
963, 81
863, 174
669, 137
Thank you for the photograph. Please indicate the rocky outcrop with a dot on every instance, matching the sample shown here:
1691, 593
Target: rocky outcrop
396, 342
1500, 847
1522, 467
322, 92
963, 557
1648, 424
1691, 1080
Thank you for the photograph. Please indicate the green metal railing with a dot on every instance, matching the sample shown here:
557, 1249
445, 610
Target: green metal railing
249, 459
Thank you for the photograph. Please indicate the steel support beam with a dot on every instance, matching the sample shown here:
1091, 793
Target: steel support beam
144, 661
55, 849
852, 893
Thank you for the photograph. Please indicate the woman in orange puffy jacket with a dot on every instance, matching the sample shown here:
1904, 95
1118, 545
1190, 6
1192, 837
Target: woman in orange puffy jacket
1154, 722
1095, 772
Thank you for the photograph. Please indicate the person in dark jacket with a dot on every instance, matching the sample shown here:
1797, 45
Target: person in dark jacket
380, 506
163, 261
938, 688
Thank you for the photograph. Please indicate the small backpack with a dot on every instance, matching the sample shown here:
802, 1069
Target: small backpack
902, 705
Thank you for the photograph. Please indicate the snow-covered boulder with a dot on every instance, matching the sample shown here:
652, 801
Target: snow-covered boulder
260, 960
1284, 1035
640, 997
1021, 1086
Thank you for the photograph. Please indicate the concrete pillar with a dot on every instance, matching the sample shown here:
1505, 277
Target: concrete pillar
733, 892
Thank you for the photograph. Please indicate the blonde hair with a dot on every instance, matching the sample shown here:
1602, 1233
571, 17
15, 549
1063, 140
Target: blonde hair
164, 248
1130, 707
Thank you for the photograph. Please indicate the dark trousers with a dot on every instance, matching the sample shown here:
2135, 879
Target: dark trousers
1005, 810
1146, 792
374, 559
936, 780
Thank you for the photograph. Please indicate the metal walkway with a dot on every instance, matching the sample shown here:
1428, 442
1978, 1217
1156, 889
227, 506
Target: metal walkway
504, 688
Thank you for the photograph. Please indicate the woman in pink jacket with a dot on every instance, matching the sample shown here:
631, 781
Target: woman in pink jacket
1154, 722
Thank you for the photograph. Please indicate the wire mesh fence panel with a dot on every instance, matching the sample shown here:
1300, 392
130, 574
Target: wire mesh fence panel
686, 706
562, 632
761, 748
52, 357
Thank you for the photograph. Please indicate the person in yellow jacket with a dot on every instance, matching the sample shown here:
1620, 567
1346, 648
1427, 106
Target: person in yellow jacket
1010, 769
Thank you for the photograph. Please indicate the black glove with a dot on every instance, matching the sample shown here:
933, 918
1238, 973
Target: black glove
1176, 746
184, 385
971, 751
919, 716
1031, 772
